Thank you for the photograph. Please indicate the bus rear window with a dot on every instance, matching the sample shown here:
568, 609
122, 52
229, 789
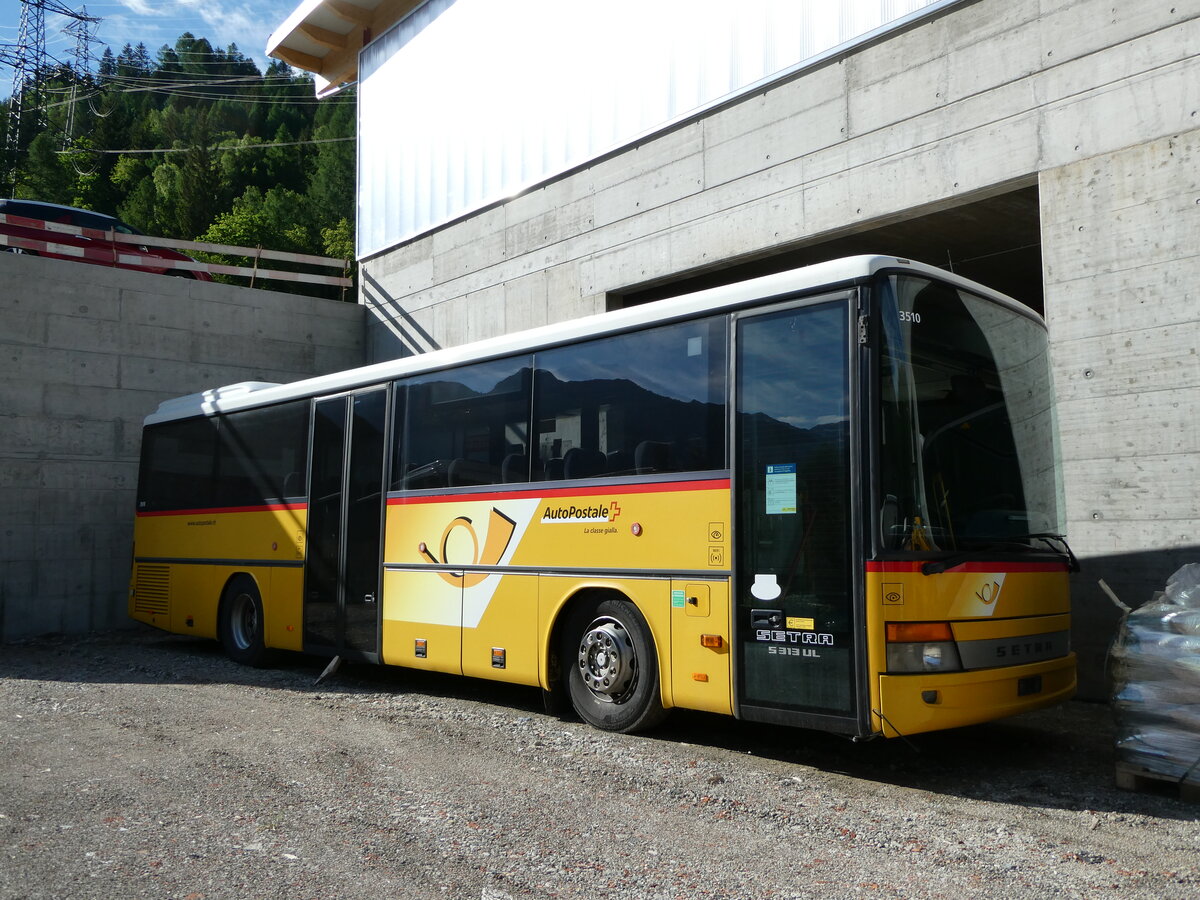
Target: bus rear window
177, 465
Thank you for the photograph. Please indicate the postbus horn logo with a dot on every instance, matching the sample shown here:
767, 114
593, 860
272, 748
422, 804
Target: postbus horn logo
499, 533
989, 593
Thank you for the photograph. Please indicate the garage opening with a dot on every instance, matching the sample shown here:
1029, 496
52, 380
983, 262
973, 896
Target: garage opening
995, 240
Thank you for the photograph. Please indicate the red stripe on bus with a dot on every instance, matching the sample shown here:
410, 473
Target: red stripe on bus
660, 487
270, 507
915, 566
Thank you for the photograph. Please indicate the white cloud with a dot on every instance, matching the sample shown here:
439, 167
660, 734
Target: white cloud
222, 22
142, 8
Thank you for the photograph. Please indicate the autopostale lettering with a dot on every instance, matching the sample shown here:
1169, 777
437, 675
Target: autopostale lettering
576, 513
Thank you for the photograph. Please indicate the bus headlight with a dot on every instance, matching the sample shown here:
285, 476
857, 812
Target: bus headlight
922, 647
935, 656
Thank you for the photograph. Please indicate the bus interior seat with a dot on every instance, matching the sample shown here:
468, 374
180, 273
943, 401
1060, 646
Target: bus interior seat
514, 467
620, 462
554, 469
653, 456
581, 462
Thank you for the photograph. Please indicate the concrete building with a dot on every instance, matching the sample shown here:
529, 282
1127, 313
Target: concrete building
1048, 148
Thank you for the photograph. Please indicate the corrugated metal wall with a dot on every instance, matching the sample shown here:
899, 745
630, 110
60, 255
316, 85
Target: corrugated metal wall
466, 102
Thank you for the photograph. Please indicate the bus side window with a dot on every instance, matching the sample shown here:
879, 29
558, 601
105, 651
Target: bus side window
642, 403
257, 450
466, 427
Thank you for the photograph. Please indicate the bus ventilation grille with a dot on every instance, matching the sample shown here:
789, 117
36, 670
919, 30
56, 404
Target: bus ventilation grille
153, 590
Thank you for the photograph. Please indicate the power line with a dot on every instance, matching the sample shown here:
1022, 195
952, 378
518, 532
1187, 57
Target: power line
250, 101
215, 57
215, 98
160, 79
224, 147
184, 89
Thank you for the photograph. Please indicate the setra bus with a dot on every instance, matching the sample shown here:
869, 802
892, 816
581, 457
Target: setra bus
828, 498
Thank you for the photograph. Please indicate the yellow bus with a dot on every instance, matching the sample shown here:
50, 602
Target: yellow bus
828, 498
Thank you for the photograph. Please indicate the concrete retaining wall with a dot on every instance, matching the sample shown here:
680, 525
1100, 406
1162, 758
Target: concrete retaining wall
85, 353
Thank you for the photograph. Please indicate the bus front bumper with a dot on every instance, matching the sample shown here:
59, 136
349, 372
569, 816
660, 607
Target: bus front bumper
930, 702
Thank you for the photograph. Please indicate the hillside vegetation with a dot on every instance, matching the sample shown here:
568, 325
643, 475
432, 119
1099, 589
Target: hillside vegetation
195, 142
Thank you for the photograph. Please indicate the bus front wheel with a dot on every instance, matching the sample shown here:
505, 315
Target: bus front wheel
611, 667
241, 625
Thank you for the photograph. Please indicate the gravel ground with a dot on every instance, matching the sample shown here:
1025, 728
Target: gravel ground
138, 764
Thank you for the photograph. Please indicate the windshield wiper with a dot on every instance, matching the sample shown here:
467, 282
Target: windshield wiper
1048, 536
937, 566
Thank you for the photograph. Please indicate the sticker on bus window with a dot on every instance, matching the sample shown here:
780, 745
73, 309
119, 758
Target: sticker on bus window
765, 587
781, 489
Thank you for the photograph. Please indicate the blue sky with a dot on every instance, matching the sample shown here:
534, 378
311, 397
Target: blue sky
247, 23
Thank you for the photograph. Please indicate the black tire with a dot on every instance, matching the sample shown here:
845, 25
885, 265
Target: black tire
611, 668
20, 250
241, 624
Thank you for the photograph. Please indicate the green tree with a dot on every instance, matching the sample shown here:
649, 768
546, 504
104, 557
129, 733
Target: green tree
247, 159
339, 240
331, 184
47, 176
276, 220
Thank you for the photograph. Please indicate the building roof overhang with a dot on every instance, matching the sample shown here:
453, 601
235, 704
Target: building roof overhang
324, 37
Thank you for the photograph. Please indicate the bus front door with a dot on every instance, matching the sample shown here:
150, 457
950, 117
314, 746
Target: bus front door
794, 619
345, 516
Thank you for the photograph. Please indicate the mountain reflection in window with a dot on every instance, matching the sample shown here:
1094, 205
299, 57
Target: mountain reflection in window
464, 427
642, 403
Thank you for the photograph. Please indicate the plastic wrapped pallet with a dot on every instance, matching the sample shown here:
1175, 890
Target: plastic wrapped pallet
1157, 680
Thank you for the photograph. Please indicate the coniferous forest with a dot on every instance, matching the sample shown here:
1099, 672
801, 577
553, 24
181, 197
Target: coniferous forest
193, 142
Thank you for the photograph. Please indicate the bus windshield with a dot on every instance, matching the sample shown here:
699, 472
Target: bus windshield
968, 455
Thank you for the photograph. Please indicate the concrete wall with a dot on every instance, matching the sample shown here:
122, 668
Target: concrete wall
1097, 102
85, 353
1121, 238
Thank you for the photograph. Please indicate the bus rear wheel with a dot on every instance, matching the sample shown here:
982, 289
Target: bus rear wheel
241, 624
611, 667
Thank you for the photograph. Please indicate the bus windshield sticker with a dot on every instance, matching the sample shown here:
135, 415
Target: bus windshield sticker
781, 489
